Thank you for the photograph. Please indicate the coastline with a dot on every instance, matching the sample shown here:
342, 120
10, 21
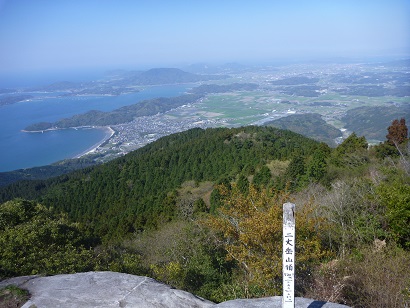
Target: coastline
40, 131
109, 133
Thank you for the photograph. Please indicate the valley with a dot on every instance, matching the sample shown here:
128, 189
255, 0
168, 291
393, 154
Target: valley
333, 91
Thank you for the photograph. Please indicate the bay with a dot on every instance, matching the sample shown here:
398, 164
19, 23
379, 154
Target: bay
19, 150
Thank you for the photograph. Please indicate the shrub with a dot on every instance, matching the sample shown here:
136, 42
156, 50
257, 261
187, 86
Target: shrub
373, 276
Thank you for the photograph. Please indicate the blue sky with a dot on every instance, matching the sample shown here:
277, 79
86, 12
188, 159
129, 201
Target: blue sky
40, 35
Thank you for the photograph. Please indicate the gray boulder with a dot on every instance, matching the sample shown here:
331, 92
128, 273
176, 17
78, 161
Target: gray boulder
110, 289
103, 289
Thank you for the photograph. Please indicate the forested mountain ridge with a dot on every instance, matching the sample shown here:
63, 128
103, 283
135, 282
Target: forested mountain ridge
309, 124
372, 121
45, 172
118, 116
121, 196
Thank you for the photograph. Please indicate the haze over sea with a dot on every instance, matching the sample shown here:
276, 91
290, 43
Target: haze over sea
25, 150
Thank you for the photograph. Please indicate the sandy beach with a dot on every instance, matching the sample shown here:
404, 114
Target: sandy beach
109, 133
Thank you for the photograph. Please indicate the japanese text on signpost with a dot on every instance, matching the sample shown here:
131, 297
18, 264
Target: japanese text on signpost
288, 254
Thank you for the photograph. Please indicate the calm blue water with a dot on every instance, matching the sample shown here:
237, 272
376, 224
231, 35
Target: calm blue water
24, 150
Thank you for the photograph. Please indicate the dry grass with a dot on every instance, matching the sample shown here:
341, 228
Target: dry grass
374, 277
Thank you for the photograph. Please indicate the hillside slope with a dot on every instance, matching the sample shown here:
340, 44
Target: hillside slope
125, 194
371, 122
310, 125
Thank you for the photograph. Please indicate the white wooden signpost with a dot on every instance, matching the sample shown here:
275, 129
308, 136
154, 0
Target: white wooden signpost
288, 255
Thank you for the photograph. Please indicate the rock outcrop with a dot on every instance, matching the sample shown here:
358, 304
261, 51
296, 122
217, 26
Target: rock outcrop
110, 289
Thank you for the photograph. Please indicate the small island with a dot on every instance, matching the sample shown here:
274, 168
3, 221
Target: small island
9, 100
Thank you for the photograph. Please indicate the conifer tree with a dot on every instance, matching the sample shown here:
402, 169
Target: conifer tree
316, 169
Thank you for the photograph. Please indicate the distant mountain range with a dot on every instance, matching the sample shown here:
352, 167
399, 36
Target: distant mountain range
126, 79
158, 76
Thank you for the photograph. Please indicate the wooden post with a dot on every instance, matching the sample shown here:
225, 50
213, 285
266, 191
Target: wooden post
288, 255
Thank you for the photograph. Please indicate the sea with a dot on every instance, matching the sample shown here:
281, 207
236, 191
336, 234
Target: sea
20, 150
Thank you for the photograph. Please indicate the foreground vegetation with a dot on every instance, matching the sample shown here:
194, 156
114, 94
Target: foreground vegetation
12, 296
201, 210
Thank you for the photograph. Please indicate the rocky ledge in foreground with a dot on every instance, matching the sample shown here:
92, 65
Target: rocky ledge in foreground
110, 289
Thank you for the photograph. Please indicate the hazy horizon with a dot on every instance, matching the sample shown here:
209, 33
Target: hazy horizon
51, 36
